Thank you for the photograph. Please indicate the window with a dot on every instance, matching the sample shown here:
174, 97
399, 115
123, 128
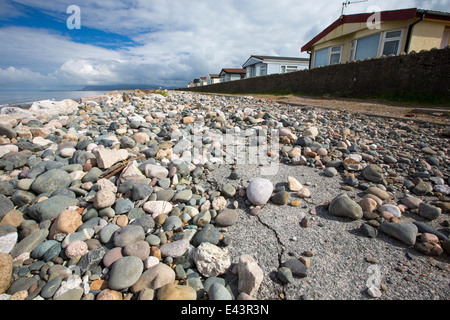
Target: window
327, 56
335, 55
291, 69
391, 44
321, 58
263, 69
445, 38
250, 72
352, 50
367, 47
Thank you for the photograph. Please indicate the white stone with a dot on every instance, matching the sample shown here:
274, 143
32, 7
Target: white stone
294, 184
211, 260
311, 132
250, 275
155, 208
391, 209
104, 199
67, 152
150, 262
175, 249
136, 117
219, 203
105, 184
72, 282
284, 132
443, 188
7, 242
259, 191
304, 193
131, 172
155, 171
352, 164
77, 175
95, 98
49, 107
355, 156
5, 296
374, 292
107, 158
91, 146
4, 150
41, 141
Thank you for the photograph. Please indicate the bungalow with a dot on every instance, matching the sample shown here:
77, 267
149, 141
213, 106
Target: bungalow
264, 65
369, 35
231, 74
213, 78
203, 81
190, 84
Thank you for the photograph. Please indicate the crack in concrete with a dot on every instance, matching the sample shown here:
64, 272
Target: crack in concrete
280, 245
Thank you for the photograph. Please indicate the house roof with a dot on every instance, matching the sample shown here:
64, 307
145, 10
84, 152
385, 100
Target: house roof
277, 58
214, 75
229, 70
202, 78
393, 15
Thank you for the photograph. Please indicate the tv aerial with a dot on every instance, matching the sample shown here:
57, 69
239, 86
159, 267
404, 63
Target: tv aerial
347, 3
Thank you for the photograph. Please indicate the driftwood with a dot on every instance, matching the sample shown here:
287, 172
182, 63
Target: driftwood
118, 167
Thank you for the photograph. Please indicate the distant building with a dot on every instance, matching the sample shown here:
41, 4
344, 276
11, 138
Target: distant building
356, 37
231, 74
197, 83
264, 65
190, 84
203, 81
213, 78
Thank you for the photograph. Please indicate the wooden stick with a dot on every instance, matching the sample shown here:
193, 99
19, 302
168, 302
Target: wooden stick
118, 168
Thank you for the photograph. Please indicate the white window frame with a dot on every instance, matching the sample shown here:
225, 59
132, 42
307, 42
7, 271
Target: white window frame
445, 38
291, 68
315, 54
263, 69
385, 39
357, 40
330, 53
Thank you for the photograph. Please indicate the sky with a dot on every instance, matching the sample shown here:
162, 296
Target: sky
163, 43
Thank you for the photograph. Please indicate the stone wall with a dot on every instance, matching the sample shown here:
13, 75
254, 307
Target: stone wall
419, 74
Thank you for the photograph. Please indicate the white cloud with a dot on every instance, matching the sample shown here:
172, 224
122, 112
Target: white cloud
42, 49
8, 10
178, 40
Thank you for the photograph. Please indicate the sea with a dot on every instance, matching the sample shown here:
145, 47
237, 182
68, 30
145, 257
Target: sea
28, 97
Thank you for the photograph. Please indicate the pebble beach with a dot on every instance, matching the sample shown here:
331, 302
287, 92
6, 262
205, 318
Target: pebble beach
140, 195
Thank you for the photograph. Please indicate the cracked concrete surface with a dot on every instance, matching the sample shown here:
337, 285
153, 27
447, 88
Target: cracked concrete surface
339, 270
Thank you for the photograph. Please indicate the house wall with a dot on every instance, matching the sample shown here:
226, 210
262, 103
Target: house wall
421, 74
275, 67
235, 77
426, 35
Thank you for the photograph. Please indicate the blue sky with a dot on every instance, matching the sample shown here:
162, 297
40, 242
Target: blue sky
166, 43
